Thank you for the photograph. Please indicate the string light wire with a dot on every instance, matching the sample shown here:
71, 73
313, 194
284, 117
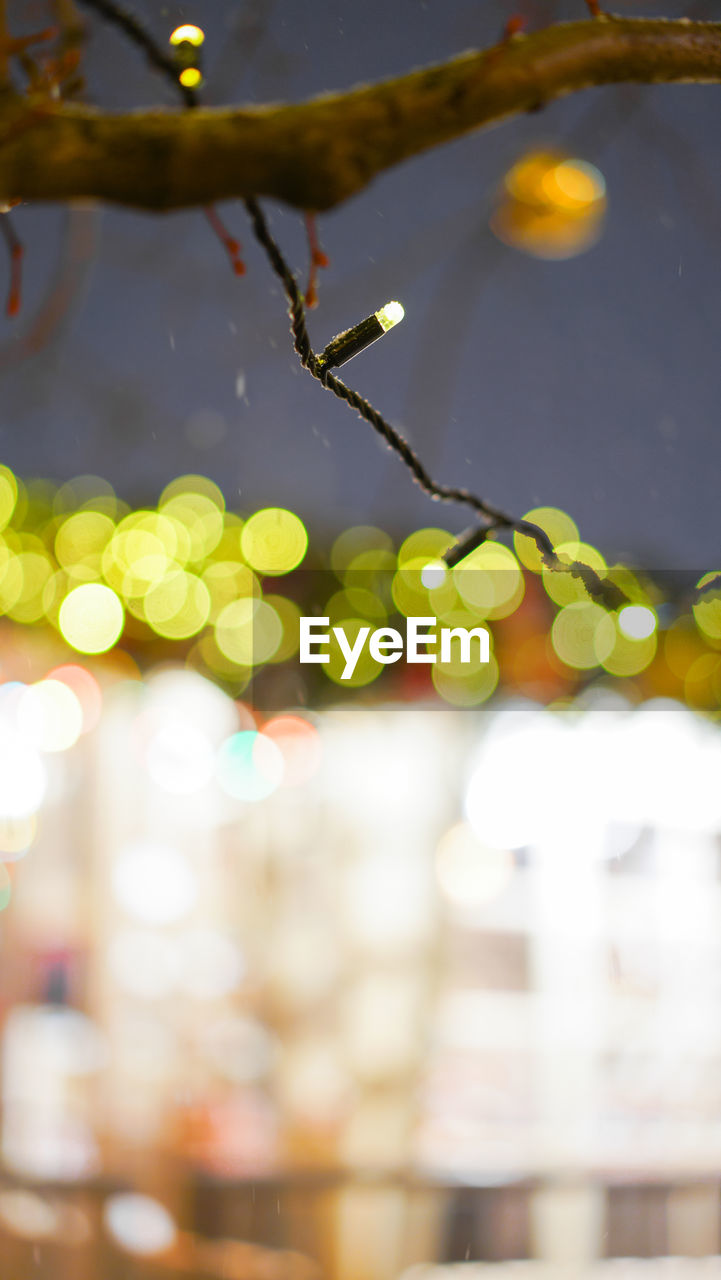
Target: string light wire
492, 518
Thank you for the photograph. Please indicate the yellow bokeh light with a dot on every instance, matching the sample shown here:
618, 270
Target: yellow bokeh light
557, 524
178, 606
56, 588
366, 669
248, 632
370, 571
190, 565
140, 552
8, 495
88, 493
11, 575
35, 569
227, 580
196, 504
181, 486
489, 581
38, 506
364, 602
410, 596
166, 599
682, 645
82, 538
354, 602
629, 657
274, 541
189, 33
465, 686
201, 519
413, 599
425, 544
707, 609
565, 587
702, 684
352, 542
91, 618
208, 656
289, 616
583, 635
190, 77
228, 545
414, 589
462, 616
463, 663
461, 689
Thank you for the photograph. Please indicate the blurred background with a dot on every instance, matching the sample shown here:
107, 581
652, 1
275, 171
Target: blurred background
417, 973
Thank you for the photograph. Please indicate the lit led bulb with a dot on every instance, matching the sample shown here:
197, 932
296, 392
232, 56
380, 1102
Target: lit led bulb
190, 77
186, 42
389, 315
188, 34
345, 345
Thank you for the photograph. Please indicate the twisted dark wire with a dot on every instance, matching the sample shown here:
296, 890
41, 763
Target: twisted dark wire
712, 587
134, 30
598, 588
606, 592
296, 308
310, 361
399, 444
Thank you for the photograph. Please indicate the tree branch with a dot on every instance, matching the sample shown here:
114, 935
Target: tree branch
4, 47
316, 154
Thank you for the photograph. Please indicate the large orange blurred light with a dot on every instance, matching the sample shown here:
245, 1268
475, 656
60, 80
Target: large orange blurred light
551, 205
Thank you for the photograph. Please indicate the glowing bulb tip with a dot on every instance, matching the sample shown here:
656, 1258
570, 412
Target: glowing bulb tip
389, 315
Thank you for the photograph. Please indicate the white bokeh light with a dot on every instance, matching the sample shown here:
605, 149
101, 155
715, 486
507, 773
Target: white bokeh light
434, 574
179, 694
143, 963
541, 778
637, 621
139, 1224
470, 873
49, 716
239, 1048
154, 883
211, 964
23, 777
180, 757
388, 900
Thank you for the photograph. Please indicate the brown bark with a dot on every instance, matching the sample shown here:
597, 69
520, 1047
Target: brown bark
314, 155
